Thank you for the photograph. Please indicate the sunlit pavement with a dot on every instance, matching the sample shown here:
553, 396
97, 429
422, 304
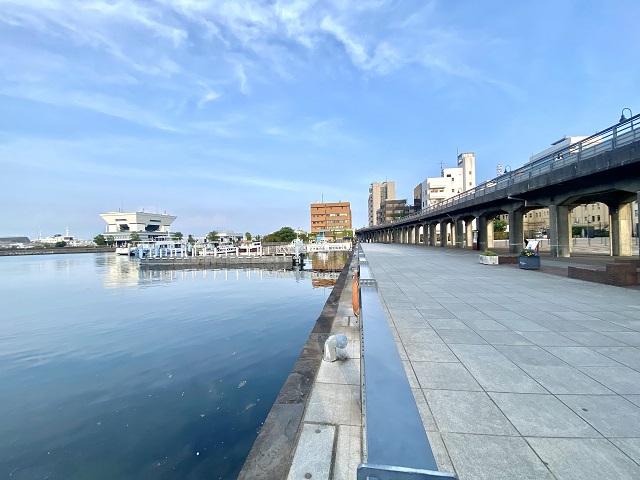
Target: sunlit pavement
517, 374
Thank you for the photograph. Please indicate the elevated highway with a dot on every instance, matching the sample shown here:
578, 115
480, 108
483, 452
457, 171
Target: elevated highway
602, 168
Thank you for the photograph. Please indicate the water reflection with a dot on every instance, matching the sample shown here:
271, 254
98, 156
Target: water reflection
109, 372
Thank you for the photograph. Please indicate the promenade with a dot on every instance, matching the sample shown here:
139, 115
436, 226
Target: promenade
517, 374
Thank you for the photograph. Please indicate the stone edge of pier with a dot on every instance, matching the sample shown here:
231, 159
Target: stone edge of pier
272, 452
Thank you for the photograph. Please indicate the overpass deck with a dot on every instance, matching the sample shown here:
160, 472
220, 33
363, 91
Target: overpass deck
517, 374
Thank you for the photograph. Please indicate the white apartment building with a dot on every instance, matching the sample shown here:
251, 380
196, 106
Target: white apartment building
453, 181
378, 193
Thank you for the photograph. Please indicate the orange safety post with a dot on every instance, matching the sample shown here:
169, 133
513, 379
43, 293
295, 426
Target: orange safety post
355, 297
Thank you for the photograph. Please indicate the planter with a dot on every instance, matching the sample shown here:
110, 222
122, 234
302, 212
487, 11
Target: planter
488, 259
529, 263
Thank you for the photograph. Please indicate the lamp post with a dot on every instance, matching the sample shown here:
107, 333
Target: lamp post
624, 119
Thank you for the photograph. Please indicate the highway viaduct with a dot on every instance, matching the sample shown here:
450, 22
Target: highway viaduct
602, 168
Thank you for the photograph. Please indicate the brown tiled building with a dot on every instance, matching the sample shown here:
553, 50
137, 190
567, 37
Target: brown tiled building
330, 217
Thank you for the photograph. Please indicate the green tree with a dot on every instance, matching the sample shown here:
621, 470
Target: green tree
347, 233
257, 238
285, 234
212, 236
499, 225
61, 243
99, 240
191, 240
247, 235
134, 237
110, 240
178, 235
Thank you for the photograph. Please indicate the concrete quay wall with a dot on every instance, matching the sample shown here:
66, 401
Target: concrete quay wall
274, 448
224, 262
9, 252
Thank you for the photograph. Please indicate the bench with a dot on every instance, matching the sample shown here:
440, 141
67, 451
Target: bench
395, 444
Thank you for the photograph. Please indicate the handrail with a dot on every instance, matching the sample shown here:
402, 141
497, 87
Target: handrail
395, 443
605, 140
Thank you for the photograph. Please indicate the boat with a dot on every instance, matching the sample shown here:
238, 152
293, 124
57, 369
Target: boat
124, 250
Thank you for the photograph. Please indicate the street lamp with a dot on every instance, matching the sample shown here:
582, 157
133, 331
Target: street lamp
624, 119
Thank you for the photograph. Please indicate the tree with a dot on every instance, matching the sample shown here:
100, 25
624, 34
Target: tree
247, 235
110, 240
284, 235
499, 225
347, 233
212, 236
134, 237
99, 240
191, 240
178, 235
61, 243
257, 238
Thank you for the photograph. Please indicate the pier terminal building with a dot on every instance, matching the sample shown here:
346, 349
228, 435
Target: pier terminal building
148, 226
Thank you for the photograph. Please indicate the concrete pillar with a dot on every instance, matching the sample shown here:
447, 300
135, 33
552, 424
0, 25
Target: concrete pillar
560, 234
469, 233
432, 234
459, 233
485, 233
443, 233
620, 230
516, 227
416, 234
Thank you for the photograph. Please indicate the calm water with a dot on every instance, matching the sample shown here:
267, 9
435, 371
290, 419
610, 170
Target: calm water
109, 372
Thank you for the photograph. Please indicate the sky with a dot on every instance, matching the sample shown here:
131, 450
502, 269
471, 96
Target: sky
237, 115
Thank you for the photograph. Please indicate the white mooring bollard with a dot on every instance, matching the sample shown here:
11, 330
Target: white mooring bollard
335, 348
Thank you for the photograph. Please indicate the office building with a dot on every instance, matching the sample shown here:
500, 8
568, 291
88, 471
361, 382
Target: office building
330, 218
378, 193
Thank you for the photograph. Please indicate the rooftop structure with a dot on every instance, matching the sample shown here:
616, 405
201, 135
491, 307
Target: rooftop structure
148, 226
451, 182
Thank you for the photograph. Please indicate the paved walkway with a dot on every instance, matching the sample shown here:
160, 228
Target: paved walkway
518, 374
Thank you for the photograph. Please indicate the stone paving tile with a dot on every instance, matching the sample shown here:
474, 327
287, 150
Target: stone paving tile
538, 415
479, 324
429, 352
630, 338
558, 325
411, 376
436, 313
467, 337
633, 399
630, 446
419, 335
488, 457
581, 357
334, 404
348, 452
403, 322
520, 324
629, 356
565, 380
549, 339
611, 415
582, 458
313, 454
622, 380
452, 376
472, 314
494, 371
529, 355
447, 324
343, 372
467, 412
440, 452
593, 339
600, 325
503, 338
425, 412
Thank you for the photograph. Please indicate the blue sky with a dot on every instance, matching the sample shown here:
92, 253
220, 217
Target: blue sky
238, 115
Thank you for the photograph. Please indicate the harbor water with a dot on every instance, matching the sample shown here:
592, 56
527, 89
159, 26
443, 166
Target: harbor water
112, 372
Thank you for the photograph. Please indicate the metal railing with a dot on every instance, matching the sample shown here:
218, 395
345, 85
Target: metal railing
613, 137
396, 446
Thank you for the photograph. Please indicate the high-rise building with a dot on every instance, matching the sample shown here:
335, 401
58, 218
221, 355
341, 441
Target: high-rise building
330, 218
378, 193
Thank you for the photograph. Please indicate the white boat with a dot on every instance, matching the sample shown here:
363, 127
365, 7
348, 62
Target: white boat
124, 250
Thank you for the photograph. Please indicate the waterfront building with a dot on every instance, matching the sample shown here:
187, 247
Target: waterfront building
451, 182
148, 226
378, 193
330, 218
391, 210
